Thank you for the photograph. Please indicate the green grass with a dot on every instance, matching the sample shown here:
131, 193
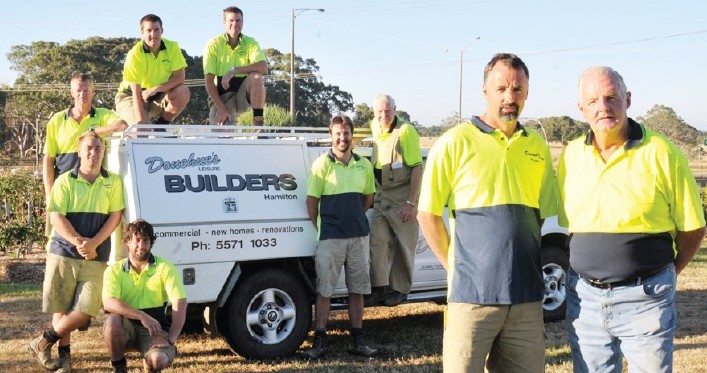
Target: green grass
28, 289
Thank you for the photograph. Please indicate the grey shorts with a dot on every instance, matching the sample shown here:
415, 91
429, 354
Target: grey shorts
236, 102
137, 338
351, 253
72, 284
125, 109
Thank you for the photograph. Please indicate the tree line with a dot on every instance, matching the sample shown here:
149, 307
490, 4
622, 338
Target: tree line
26, 113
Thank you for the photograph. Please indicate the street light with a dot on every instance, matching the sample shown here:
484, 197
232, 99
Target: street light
295, 13
461, 73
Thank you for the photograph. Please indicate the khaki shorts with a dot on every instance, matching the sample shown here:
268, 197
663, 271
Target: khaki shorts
503, 338
125, 109
351, 253
236, 102
137, 338
72, 284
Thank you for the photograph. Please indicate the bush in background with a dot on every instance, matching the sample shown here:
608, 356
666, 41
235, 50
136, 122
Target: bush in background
22, 209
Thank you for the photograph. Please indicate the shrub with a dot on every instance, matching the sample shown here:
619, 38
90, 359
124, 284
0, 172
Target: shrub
23, 197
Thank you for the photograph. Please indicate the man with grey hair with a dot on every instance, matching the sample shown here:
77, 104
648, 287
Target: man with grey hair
634, 213
397, 166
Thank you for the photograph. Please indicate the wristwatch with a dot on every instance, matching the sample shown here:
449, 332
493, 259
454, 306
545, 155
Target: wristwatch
411, 203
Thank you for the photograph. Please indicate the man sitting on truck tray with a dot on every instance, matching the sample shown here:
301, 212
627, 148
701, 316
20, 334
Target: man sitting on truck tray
85, 206
340, 188
234, 66
136, 293
152, 90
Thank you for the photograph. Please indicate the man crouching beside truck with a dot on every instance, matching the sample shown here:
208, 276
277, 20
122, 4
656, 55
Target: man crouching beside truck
136, 291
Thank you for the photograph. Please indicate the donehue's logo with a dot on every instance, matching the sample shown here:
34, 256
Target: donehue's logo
157, 163
212, 182
535, 157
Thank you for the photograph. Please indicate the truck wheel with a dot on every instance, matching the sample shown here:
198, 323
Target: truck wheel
555, 264
269, 315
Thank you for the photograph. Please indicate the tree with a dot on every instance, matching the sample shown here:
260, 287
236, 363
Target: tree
26, 113
562, 129
363, 114
664, 120
315, 101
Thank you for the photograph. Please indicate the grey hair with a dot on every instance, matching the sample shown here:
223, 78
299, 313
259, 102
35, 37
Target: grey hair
605, 70
385, 97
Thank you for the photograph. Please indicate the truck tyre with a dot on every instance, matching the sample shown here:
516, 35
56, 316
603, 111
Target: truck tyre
269, 315
555, 264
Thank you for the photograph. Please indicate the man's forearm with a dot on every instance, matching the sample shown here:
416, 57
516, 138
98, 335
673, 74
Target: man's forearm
436, 235
415, 181
179, 315
107, 130
48, 175
257, 67
687, 244
212, 90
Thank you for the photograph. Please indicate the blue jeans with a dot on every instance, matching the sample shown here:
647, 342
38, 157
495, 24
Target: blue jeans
635, 321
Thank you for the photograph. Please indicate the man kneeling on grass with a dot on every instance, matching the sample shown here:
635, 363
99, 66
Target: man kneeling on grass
136, 291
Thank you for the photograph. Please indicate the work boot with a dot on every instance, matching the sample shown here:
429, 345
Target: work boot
64, 362
123, 368
359, 347
378, 294
44, 357
394, 298
258, 121
318, 346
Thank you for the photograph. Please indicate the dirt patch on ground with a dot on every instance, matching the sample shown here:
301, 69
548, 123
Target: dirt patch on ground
30, 268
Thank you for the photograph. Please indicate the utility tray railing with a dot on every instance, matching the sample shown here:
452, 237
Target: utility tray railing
309, 134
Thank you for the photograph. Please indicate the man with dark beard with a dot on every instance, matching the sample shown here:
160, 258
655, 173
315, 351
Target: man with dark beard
496, 178
340, 188
136, 292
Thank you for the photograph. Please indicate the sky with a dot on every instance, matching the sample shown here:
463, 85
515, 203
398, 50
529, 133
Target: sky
412, 49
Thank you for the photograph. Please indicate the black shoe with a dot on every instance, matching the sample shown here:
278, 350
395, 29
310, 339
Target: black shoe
394, 298
123, 368
359, 347
318, 348
377, 295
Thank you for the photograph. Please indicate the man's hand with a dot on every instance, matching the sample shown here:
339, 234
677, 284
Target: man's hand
222, 116
147, 93
87, 248
152, 325
226, 80
406, 212
159, 341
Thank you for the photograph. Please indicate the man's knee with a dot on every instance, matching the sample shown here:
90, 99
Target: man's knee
157, 360
113, 325
179, 96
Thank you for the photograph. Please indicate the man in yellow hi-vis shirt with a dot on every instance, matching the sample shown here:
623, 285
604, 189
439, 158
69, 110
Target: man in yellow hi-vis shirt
635, 216
496, 178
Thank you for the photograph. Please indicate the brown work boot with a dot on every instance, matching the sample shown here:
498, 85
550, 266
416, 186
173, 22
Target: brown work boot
359, 347
318, 346
64, 362
258, 121
44, 356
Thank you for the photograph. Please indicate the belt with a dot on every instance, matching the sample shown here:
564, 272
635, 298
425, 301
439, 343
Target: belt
631, 281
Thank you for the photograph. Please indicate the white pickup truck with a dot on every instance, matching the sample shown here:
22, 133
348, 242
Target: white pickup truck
228, 207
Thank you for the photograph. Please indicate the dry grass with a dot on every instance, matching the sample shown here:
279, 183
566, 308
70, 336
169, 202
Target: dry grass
410, 335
